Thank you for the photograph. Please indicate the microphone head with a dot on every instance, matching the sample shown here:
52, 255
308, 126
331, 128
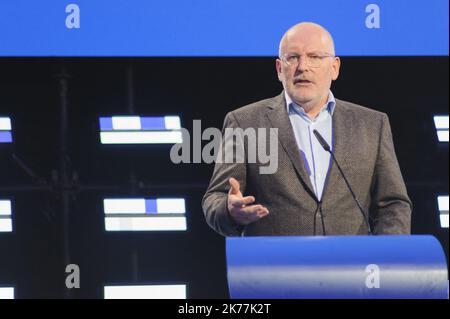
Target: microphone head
322, 141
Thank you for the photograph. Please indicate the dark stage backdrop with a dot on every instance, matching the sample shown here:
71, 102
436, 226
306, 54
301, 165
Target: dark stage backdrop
409, 89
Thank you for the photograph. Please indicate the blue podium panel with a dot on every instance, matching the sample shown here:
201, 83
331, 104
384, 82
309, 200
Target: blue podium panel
336, 267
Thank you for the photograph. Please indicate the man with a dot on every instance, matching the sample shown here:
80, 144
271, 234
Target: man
307, 195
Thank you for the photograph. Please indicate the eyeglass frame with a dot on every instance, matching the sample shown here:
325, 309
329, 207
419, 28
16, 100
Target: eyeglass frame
320, 57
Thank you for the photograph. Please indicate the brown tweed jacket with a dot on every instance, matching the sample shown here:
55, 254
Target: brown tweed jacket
363, 145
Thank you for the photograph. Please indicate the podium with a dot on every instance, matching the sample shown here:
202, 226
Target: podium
341, 267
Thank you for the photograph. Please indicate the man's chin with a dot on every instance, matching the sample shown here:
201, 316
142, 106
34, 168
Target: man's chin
302, 99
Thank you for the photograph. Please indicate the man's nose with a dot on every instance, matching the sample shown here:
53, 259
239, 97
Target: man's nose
302, 64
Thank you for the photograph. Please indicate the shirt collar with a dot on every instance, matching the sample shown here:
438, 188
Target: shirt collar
329, 105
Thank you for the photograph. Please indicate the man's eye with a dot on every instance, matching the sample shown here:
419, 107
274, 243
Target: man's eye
315, 57
292, 58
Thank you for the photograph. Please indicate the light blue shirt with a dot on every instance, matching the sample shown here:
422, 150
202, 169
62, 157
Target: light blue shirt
316, 159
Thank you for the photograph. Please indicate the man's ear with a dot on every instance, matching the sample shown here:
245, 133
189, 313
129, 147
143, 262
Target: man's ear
278, 67
335, 68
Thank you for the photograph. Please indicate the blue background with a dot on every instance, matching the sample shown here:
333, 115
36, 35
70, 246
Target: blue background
217, 27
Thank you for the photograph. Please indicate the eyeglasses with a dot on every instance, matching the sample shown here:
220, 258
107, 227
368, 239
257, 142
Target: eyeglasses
312, 60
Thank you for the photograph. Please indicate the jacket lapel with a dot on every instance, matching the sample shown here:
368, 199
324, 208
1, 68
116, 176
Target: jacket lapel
342, 145
279, 118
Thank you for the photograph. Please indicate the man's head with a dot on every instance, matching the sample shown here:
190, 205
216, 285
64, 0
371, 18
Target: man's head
306, 65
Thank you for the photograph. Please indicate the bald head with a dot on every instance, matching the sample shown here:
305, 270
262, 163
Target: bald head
307, 32
307, 65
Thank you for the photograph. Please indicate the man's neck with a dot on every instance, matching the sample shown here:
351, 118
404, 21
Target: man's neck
312, 109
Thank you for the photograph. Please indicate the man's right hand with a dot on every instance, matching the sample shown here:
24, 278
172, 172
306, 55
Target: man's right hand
240, 208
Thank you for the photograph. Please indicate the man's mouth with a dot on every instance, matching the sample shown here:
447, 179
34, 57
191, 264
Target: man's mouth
302, 82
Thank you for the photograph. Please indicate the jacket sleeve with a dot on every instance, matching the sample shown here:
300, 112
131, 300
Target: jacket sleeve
215, 199
391, 206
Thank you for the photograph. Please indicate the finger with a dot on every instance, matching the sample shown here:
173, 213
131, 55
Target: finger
251, 209
253, 213
263, 213
249, 214
239, 202
235, 186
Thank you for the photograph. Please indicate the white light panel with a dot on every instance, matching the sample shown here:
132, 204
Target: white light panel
145, 292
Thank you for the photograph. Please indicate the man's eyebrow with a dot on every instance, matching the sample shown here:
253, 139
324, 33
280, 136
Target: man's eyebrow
315, 52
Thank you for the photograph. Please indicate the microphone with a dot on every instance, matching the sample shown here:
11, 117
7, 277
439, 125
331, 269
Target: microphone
327, 148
